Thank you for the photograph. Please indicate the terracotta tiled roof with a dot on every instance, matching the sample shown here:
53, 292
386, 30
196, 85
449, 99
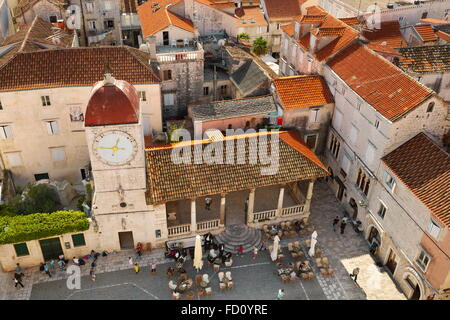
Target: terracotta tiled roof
154, 20
302, 91
426, 59
168, 181
426, 32
379, 82
383, 49
443, 35
74, 67
288, 29
252, 14
425, 169
350, 21
389, 35
431, 20
112, 103
315, 11
284, 10
31, 37
328, 32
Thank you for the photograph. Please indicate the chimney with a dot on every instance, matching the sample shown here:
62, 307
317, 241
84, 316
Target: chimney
151, 44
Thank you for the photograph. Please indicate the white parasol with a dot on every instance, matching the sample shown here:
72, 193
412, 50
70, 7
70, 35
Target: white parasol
274, 253
198, 254
311, 251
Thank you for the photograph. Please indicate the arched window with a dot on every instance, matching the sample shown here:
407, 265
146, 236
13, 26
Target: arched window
430, 106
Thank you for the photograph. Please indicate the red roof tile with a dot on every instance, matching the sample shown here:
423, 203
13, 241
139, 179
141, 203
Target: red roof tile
378, 81
426, 32
425, 169
112, 103
389, 35
154, 20
286, 10
302, 91
49, 68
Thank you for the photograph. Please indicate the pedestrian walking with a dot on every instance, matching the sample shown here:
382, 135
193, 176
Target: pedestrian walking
354, 274
240, 250
136, 268
52, 265
343, 224
47, 270
263, 245
18, 268
130, 261
153, 267
61, 265
255, 252
17, 281
76, 261
93, 264
280, 294
335, 223
208, 201
92, 274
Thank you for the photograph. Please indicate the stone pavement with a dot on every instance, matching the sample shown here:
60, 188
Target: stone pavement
255, 279
349, 250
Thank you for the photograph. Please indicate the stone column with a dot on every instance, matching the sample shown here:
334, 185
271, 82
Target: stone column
280, 201
251, 205
222, 208
193, 216
309, 195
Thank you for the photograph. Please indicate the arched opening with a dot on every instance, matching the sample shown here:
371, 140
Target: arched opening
414, 285
354, 206
374, 235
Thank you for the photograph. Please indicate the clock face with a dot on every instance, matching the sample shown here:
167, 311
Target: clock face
115, 147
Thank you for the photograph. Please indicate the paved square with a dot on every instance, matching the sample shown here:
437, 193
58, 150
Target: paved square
254, 279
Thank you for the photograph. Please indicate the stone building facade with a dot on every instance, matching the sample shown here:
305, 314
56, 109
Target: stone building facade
44, 134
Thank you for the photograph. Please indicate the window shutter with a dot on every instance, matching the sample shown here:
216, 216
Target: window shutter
49, 127
21, 249
58, 154
78, 240
353, 133
346, 164
3, 132
14, 159
55, 127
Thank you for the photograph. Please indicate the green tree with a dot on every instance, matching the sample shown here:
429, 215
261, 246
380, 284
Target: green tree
243, 35
260, 46
170, 132
36, 198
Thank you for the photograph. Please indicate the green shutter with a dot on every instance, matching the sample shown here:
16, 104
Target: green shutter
21, 249
78, 240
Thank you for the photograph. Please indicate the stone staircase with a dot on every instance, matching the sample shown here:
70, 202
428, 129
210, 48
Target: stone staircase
236, 235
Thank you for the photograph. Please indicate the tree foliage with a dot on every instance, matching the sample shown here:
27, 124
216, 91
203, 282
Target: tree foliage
260, 46
35, 198
243, 35
35, 226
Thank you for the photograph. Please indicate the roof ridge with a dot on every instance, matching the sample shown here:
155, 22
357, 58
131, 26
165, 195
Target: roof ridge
228, 100
25, 39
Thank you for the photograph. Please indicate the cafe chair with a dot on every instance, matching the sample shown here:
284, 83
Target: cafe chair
230, 284
176, 295
222, 286
216, 268
229, 263
228, 275
201, 292
190, 295
172, 285
198, 279
205, 278
208, 291
220, 275
319, 263
290, 246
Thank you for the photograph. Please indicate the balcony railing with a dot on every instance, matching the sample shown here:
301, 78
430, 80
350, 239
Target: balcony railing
290, 211
179, 230
208, 225
264, 215
180, 56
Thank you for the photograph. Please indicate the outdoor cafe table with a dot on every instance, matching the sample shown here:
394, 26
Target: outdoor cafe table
184, 285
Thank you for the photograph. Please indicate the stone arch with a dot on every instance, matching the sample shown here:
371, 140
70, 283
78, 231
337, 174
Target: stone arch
354, 205
410, 272
370, 234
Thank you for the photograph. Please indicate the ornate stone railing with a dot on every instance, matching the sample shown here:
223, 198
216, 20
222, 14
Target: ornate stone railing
289, 211
179, 230
179, 56
208, 225
264, 215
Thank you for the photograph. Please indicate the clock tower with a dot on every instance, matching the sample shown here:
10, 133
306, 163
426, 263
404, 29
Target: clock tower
115, 140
